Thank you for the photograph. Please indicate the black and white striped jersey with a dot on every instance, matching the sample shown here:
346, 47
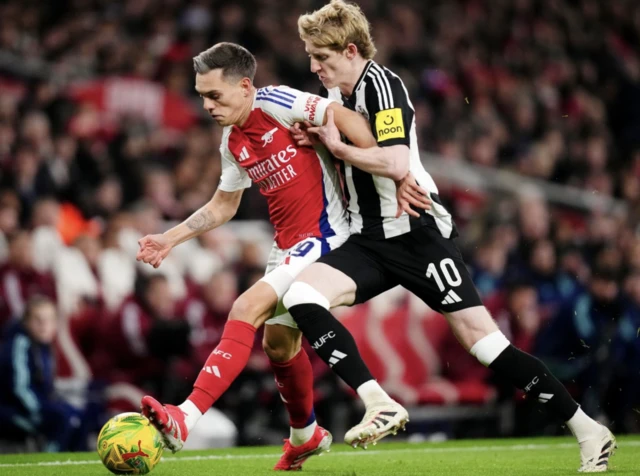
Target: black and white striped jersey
380, 95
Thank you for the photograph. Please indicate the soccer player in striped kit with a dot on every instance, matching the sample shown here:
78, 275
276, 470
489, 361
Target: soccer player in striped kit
415, 250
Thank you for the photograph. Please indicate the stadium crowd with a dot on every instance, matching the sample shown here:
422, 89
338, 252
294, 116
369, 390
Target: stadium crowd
103, 140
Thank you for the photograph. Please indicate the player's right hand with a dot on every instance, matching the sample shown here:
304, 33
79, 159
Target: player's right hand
153, 249
408, 193
301, 136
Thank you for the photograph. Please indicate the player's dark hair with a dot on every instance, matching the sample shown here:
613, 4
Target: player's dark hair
235, 61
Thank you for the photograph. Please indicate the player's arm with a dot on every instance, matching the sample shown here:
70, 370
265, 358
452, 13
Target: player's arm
391, 162
216, 212
391, 119
328, 119
219, 210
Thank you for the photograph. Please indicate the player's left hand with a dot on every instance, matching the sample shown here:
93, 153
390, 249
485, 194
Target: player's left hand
301, 135
408, 193
328, 134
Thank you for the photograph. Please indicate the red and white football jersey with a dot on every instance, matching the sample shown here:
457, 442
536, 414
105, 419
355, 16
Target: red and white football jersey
301, 184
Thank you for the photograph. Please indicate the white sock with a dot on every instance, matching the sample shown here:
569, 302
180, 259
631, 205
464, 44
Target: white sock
582, 426
191, 414
371, 392
299, 436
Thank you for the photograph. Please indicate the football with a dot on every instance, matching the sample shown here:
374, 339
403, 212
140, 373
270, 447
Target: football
129, 444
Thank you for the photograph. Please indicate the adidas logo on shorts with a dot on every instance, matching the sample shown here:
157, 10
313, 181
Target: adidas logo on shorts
451, 298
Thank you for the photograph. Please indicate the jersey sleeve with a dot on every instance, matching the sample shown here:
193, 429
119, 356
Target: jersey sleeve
233, 177
390, 110
288, 105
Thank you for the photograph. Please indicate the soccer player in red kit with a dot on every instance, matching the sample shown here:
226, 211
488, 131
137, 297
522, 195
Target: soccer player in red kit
303, 192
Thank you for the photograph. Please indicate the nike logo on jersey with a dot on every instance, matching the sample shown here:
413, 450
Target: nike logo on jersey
268, 137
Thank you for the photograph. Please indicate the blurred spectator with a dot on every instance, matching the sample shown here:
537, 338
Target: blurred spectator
46, 212
489, 264
251, 265
9, 220
576, 344
534, 217
208, 314
146, 218
521, 317
107, 199
28, 405
19, 281
555, 290
626, 359
148, 335
160, 191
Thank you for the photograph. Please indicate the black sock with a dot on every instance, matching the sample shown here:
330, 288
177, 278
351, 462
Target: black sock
530, 374
332, 342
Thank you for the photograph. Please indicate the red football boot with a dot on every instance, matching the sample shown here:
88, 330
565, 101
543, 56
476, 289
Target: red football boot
294, 456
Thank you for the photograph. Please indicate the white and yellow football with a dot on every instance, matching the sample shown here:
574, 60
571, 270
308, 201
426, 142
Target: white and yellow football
129, 444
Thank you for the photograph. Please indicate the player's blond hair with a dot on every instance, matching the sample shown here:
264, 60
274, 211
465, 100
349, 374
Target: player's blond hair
335, 26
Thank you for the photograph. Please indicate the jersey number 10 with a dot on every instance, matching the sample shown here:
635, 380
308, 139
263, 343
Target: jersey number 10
449, 271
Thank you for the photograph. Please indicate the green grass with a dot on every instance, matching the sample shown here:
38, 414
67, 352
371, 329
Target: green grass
522, 457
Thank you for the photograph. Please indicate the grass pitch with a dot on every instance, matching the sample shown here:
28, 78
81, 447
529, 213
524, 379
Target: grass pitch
522, 457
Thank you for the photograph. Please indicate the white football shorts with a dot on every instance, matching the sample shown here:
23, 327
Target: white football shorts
285, 265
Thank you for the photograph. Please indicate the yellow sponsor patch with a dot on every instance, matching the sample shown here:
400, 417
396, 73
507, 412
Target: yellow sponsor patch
389, 124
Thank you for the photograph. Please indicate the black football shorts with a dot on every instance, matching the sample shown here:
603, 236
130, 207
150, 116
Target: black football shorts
422, 261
